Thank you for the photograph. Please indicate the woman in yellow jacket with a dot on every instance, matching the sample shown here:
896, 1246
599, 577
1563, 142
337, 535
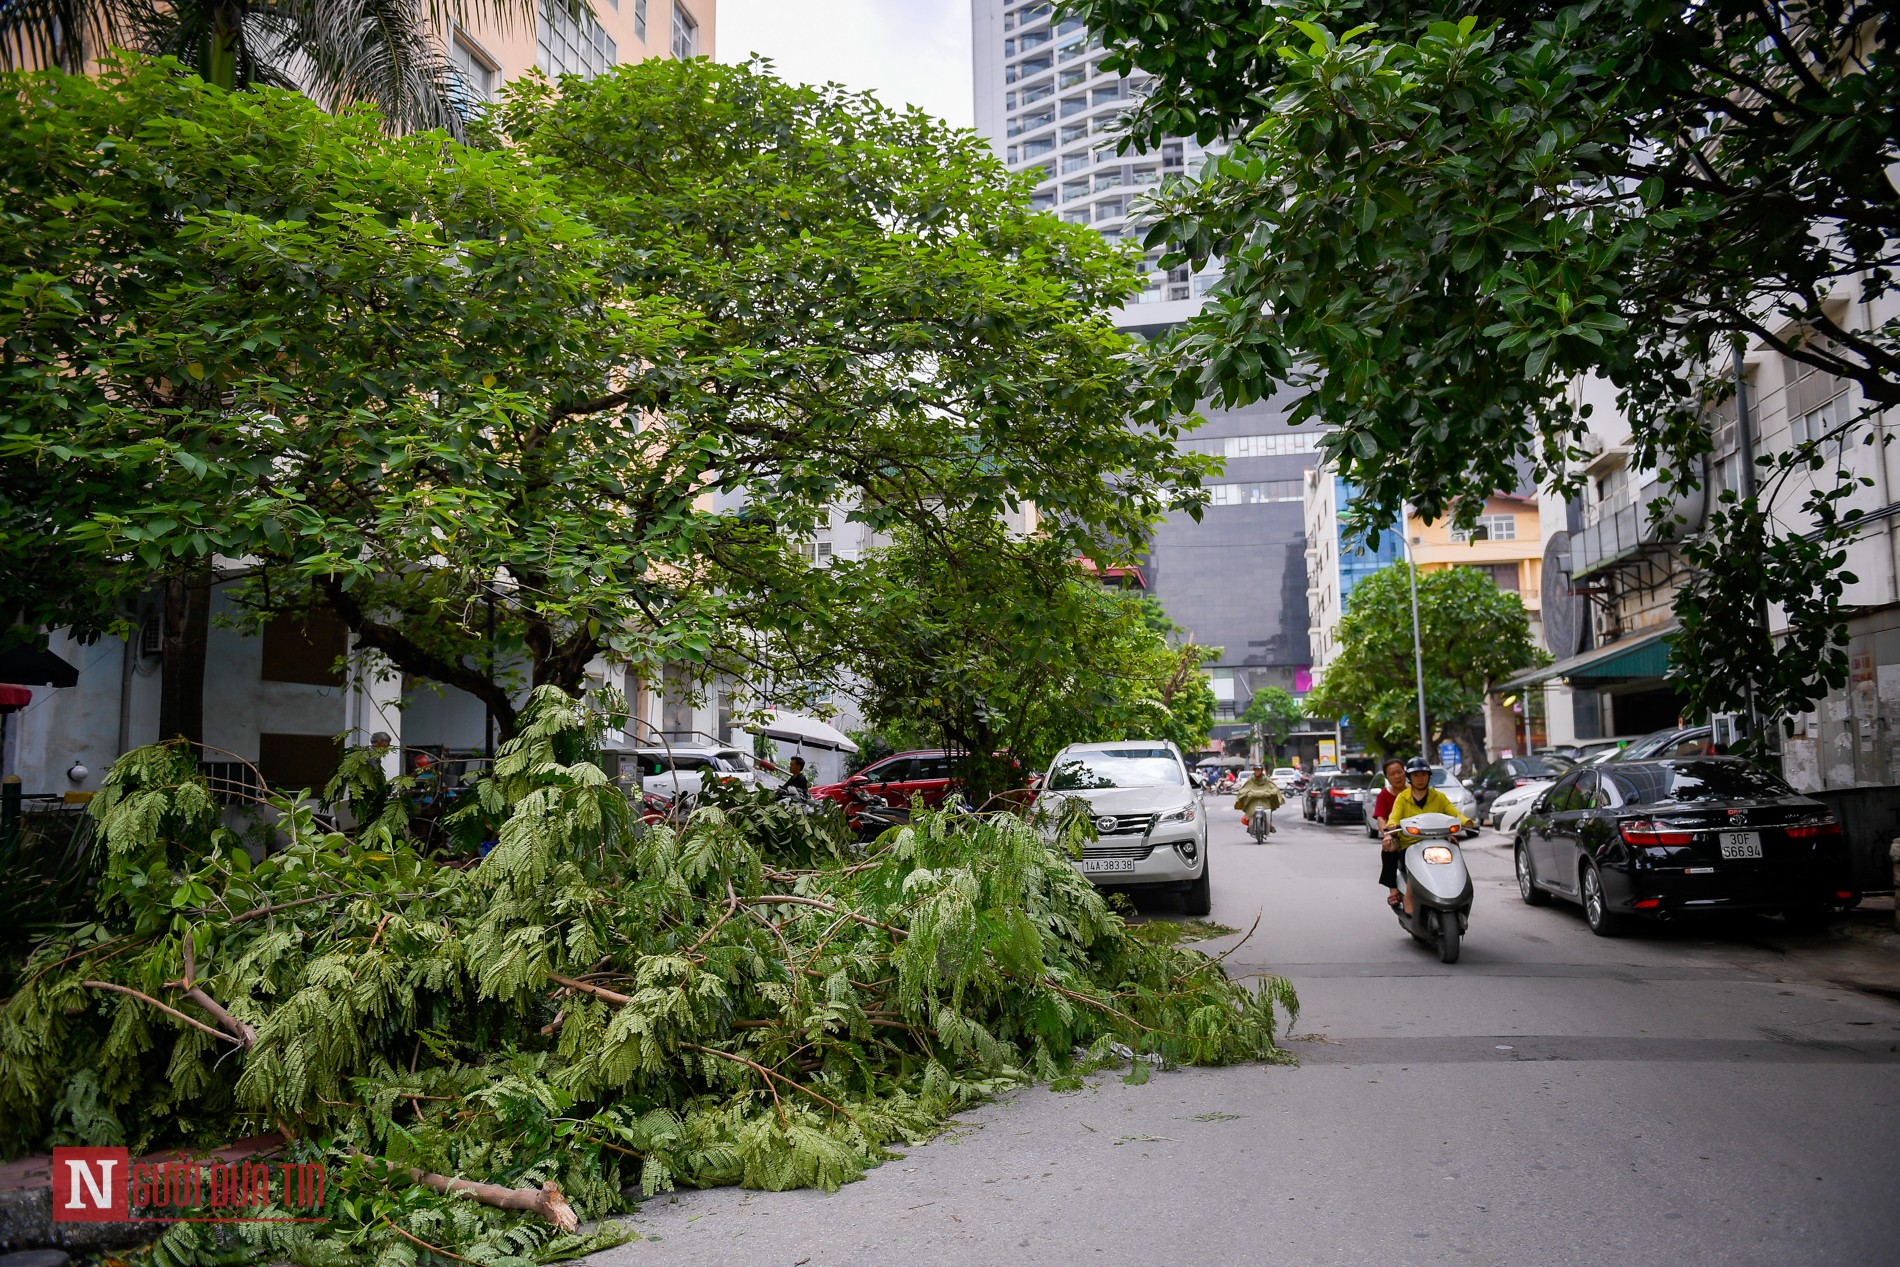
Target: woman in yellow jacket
1258, 790
1418, 797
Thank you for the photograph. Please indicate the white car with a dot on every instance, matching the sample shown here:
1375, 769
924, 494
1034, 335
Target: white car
1286, 777
678, 773
1150, 823
1461, 797
1511, 807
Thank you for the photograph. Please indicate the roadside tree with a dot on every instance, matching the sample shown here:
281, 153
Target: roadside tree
1436, 217
597, 381
992, 644
1472, 635
1276, 712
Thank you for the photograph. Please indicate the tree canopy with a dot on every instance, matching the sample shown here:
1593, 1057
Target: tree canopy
1004, 644
1473, 635
1437, 217
1276, 712
601, 374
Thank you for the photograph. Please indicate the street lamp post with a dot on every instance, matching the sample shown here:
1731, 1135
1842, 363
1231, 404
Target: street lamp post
1418, 644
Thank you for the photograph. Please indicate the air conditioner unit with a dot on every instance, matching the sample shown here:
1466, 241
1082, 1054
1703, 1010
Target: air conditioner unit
1591, 443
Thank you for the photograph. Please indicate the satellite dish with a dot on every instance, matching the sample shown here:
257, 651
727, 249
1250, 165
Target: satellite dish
1564, 609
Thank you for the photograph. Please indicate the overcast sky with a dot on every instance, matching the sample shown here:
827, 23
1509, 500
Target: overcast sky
914, 52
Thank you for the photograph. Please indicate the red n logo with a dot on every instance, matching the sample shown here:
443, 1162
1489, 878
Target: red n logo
89, 1185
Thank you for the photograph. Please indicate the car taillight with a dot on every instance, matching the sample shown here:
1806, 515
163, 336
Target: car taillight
1651, 833
1519, 782
1810, 830
1340, 795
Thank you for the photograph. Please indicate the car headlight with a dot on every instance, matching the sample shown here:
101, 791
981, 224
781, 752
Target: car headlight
1183, 815
1437, 853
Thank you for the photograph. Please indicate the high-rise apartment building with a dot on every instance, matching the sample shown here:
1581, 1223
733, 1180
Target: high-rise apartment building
1236, 578
581, 39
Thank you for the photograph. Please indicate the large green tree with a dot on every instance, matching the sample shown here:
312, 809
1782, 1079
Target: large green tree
1276, 712
1437, 216
987, 643
597, 378
1472, 634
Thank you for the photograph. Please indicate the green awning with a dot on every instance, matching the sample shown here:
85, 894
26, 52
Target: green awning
1643, 656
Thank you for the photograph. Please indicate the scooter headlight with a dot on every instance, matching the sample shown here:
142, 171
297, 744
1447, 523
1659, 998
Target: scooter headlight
1437, 853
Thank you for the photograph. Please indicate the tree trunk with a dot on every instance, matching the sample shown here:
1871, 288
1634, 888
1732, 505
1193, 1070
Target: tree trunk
181, 701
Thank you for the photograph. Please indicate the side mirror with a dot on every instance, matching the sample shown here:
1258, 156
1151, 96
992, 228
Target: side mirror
1197, 781
858, 779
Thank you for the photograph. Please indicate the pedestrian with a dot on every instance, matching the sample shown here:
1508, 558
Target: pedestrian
797, 782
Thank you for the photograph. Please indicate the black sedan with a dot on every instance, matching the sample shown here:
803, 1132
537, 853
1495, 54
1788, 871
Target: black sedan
1662, 839
1336, 798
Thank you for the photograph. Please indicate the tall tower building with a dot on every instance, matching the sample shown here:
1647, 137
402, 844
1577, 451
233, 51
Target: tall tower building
1236, 579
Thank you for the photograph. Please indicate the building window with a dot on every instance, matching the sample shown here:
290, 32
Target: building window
1070, 78
571, 46
1014, 155
1033, 39
1285, 443
1074, 106
1074, 132
1109, 209
1112, 92
685, 43
1076, 217
305, 647
1108, 180
1256, 493
1075, 189
1172, 159
1030, 122
473, 75
1827, 420
1489, 528
640, 20
1024, 69
1146, 176
1036, 92
1038, 147
1074, 163
1042, 202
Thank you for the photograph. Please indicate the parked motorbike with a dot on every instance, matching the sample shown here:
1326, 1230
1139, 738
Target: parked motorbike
1434, 875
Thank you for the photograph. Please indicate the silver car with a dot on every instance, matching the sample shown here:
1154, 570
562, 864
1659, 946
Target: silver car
1149, 824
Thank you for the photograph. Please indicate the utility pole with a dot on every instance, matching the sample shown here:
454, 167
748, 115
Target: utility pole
1745, 440
1418, 644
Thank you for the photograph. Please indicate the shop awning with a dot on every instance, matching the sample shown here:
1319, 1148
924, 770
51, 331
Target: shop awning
26, 666
1643, 656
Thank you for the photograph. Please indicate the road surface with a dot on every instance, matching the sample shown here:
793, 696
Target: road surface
1675, 1097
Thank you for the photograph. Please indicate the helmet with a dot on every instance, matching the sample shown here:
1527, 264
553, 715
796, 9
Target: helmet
1418, 765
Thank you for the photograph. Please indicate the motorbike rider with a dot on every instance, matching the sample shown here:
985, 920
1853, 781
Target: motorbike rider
1417, 797
1258, 790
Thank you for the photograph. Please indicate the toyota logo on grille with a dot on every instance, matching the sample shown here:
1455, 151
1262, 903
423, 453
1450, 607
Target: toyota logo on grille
1105, 823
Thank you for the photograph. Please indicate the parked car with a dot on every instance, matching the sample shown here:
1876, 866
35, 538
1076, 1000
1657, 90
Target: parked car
907, 780
1583, 750
1150, 823
1337, 798
1679, 837
1457, 793
1682, 741
1510, 808
1513, 772
677, 774
1287, 777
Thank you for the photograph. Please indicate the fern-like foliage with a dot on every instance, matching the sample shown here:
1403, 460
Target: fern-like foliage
614, 1007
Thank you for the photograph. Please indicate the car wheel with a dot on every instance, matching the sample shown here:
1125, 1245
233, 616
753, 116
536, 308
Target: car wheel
1596, 907
1198, 897
1527, 880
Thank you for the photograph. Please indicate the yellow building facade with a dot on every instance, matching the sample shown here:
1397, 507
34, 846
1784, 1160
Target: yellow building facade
1507, 544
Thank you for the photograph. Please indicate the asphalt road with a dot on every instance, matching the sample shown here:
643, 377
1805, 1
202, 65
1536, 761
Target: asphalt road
1676, 1097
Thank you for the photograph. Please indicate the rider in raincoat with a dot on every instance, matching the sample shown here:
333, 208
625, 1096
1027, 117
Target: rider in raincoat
1258, 790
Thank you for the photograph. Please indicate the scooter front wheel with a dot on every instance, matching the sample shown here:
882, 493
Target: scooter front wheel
1448, 936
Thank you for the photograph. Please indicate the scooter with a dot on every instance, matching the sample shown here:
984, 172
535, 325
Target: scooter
1437, 882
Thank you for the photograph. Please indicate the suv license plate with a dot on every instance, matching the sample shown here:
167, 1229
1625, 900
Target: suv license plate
1741, 844
1106, 866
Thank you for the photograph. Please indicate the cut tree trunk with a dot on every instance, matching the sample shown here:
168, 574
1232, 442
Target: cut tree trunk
181, 700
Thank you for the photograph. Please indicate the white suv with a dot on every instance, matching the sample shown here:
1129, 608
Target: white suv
1150, 824
678, 773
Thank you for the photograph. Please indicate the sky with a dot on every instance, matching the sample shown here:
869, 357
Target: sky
914, 52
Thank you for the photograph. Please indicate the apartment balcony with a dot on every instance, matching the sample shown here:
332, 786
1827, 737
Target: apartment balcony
1627, 530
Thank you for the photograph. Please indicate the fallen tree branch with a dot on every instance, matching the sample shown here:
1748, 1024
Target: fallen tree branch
545, 1201
169, 1011
770, 1074
599, 992
790, 900
231, 1025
